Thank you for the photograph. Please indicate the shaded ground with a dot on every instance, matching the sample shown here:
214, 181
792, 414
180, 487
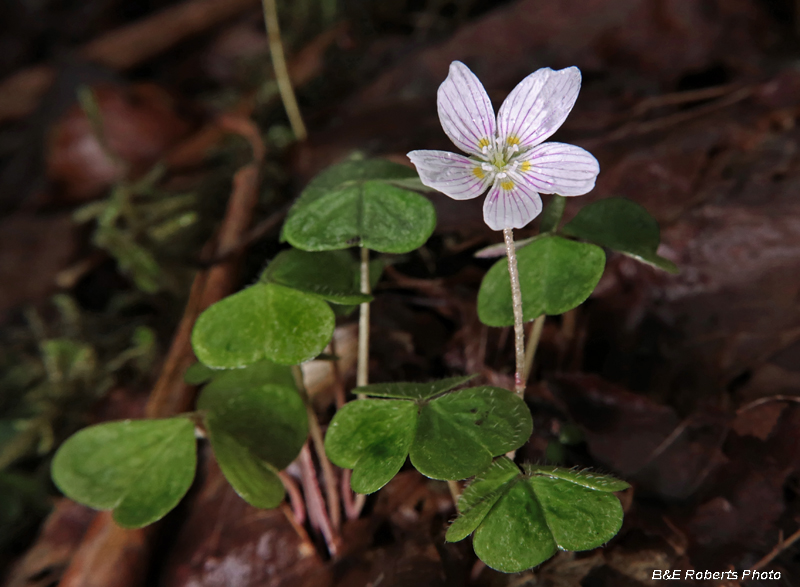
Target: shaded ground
685, 385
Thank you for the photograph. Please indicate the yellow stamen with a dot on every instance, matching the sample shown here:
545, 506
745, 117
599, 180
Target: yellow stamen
478, 172
507, 184
483, 143
525, 166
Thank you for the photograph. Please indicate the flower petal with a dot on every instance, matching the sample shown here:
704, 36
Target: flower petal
538, 106
465, 111
510, 204
558, 168
453, 175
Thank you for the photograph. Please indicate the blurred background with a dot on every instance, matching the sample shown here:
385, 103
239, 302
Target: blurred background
122, 125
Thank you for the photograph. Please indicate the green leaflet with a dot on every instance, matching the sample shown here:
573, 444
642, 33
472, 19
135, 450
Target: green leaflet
621, 225
264, 321
332, 275
139, 468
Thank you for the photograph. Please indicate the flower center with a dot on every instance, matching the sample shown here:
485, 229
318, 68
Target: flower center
499, 159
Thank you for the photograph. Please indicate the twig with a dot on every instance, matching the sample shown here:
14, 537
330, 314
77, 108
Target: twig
766, 400
121, 48
315, 432
533, 344
675, 98
304, 66
640, 128
281, 71
779, 548
254, 234
516, 299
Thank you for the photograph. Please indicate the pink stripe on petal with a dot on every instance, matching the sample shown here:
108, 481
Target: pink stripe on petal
513, 208
538, 106
465, 111
558, 168
452, 174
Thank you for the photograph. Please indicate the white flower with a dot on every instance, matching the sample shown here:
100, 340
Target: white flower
507, 155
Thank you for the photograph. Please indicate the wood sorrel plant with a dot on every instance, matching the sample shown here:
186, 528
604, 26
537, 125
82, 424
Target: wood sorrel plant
254, 409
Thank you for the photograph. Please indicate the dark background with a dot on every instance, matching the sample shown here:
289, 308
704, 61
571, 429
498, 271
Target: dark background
685, 385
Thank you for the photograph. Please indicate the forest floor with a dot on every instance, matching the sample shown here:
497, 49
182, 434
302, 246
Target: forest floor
685, 385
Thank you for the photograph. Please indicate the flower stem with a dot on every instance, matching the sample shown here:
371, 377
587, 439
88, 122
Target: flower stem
362, 374
314, 429
281, 70
516, 300
533, 344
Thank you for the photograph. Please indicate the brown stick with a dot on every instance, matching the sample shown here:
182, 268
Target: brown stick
109, 555
122, 48
779, 548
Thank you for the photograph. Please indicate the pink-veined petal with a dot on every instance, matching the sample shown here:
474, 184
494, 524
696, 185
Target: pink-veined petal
558, 168
465, 111
452, 174
510, 204
538, 106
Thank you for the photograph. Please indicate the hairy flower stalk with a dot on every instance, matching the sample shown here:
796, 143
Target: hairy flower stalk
516, 301
508, 157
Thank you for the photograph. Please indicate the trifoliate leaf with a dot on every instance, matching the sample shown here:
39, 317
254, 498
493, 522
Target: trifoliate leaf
621, 225
139, 468
450, 436
521, 519
555, 275
331, 275
264, 321
355, 203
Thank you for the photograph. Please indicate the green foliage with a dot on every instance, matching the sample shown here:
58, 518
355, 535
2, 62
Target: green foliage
257, 424
264, 321
139, 468
521, 519
447, 435
552, 213
356, 203
136, 222
621, 225
332, 275
198, 374
555, 276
